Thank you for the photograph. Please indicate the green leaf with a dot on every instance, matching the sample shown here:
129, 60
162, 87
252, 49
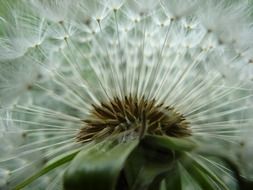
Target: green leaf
56, 162
98, 168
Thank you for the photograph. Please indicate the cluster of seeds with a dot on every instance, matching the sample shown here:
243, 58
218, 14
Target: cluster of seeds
133, 114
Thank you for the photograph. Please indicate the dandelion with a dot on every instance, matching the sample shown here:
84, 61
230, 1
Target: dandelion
126, 94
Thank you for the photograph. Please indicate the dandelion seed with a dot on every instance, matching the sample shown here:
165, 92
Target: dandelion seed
85, 80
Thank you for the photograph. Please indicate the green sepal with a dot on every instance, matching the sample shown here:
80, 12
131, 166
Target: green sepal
98, 168
204, 175
146, 167
169, 143
153, 160
242, 182
201, 178
173, 179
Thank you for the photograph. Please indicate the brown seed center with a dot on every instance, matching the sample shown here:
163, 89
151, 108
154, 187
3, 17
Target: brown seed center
133, 115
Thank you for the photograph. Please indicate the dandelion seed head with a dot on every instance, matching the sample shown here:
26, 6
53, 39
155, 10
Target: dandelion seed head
74, 73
